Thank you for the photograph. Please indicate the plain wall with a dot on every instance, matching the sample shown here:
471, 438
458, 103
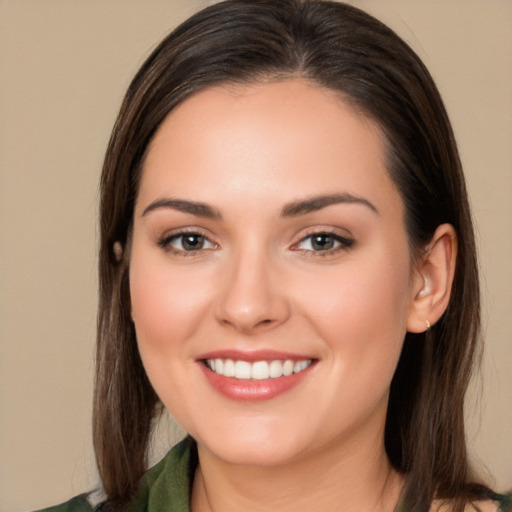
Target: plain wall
64, 66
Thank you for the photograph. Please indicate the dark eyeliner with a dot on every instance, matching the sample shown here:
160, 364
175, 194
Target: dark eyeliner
165, 242
344, 243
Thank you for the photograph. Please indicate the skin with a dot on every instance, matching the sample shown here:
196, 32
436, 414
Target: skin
258, 283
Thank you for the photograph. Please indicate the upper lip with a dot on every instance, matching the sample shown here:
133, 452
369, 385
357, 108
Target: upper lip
253, 355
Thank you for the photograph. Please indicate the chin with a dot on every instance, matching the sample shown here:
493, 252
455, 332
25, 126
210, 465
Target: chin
256, 446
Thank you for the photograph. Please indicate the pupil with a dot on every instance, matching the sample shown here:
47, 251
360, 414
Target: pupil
192, 242
323, 242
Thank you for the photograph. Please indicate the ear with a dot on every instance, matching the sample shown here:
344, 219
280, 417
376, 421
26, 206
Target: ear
117, 248
433, 278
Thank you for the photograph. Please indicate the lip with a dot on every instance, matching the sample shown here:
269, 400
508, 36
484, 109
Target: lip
248, 390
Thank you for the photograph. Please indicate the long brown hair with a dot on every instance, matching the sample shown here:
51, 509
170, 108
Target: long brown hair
346, 50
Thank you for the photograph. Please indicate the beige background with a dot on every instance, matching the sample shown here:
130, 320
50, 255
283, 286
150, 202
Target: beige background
64, 66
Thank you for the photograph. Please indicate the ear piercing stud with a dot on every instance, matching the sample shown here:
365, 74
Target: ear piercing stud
427, 323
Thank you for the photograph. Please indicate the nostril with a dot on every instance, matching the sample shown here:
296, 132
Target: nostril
264, 322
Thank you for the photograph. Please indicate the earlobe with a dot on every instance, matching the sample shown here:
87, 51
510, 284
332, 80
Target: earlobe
433, 281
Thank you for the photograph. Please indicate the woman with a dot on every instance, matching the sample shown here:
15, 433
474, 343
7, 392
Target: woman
287, 264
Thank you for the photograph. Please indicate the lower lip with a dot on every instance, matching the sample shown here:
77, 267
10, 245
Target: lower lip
252, 390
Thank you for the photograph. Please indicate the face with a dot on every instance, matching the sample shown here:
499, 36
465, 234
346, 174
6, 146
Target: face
270, 275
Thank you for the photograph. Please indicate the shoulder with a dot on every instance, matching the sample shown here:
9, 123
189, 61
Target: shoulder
484, 506
498, 503
167, 483
504, 502
77, 504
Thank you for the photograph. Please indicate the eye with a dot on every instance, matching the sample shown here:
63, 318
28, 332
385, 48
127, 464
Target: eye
323, 242
186, 242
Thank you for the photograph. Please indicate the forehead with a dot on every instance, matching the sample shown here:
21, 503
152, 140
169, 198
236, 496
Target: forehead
291, 135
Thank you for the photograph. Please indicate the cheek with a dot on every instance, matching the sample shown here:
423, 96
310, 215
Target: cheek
167, 303
373, 292
361, 311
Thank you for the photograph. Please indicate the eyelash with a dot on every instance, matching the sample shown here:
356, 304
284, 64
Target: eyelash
340, 243
166, 241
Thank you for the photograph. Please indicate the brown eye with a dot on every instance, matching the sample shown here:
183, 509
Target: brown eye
186, 242
322, 242
192, 242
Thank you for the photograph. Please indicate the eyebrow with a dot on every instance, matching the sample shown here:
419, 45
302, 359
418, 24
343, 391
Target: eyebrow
192, 207
293, 209
313, 204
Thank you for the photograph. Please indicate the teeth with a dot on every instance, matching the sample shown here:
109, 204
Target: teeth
228, 369
276, 369
242, 370
259, 370
299, 366
288, 367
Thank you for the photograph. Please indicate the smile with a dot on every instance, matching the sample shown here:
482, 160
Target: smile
258, 370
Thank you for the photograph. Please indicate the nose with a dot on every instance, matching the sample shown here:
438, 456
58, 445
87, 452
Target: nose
252, 299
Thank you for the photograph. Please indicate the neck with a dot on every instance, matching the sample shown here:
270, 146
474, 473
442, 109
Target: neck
346, 475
